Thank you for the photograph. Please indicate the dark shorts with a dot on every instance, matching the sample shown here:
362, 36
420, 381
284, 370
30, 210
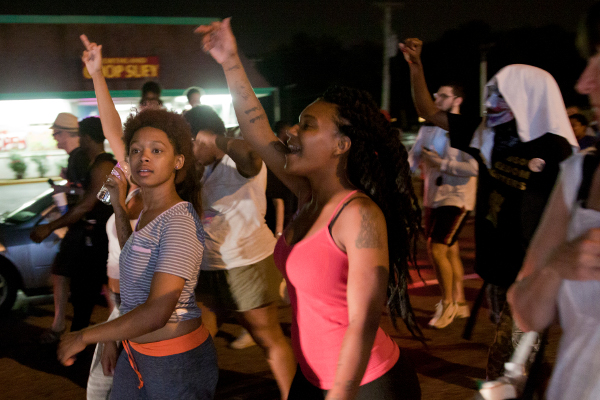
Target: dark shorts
240, 289
443, 224
400, 382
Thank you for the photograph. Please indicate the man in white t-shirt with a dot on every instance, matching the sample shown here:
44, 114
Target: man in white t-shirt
238, 271
449, 194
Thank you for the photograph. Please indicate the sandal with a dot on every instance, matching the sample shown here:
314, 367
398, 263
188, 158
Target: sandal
50, 336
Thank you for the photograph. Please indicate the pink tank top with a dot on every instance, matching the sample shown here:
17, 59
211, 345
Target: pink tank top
316, 271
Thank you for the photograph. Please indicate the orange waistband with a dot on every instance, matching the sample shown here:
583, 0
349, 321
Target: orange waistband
176, 345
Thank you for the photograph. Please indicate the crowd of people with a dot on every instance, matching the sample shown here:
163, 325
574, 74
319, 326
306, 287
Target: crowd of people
187, 241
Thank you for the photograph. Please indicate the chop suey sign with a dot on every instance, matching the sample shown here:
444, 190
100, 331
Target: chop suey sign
128, 68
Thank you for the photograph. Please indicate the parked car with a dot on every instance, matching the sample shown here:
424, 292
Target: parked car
24, 264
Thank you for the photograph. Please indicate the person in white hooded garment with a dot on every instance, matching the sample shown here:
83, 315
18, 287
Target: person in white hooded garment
519, 145
561, 273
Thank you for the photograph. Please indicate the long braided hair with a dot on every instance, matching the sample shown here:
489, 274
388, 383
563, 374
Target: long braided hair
378, 165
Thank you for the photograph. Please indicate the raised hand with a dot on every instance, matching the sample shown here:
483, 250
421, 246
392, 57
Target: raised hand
411, 49
218, 40
92, 56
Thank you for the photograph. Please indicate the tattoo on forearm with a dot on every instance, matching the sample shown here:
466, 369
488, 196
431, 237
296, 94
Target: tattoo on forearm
368, 237
236, 66
261, 116
248, 111
244, 92
123, 229
349, 385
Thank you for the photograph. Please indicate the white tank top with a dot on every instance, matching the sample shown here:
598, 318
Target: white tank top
576, 372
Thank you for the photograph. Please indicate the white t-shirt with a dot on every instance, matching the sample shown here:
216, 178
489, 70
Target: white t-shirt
455, 182
234, 217
576, 372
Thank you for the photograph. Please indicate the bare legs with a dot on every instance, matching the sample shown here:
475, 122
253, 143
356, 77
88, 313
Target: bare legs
263, 325
449, 270
61, 295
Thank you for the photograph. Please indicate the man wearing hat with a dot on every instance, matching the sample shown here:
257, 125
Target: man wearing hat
86, 219
65, 130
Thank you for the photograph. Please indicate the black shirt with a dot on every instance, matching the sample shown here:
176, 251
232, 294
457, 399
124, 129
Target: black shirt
277, 190
511, 195
77, 172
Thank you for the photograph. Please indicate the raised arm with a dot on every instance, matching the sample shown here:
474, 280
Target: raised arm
218, 40
411, 48
111, 122
117, 187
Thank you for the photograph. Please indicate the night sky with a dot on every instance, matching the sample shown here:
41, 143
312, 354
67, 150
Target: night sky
262, 25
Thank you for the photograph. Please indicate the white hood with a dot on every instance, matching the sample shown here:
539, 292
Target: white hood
536, 102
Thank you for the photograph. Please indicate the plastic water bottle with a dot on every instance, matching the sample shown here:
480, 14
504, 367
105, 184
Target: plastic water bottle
104, 195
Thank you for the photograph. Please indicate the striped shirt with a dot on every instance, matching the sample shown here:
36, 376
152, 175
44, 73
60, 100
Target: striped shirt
171, 243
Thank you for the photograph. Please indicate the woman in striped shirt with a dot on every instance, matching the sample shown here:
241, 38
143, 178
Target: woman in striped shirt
169, 353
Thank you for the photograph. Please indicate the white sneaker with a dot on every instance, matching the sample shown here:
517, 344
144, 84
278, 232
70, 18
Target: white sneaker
243, 340
443, 315
462, 310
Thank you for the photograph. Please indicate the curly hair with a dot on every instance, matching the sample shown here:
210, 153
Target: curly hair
378, 165
187, 182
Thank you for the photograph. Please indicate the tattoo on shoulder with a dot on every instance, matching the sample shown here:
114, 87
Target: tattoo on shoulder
248, 111
236, 66
368, 237
261, 116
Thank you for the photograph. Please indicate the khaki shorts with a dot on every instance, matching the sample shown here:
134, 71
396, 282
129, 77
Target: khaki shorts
240, 289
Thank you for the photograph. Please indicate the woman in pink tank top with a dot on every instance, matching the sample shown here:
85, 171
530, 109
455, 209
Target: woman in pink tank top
350, 241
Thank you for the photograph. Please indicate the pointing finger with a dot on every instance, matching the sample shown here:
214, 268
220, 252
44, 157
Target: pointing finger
85, 41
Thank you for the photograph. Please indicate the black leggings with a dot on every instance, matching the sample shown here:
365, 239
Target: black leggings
400, 382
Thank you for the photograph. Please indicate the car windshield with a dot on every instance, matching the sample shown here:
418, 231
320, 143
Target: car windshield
31, 208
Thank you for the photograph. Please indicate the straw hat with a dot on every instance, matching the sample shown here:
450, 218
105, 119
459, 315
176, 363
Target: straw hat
66, 122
